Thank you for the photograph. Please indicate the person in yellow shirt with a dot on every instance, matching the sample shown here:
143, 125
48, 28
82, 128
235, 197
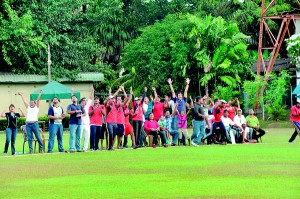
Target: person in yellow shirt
252, 122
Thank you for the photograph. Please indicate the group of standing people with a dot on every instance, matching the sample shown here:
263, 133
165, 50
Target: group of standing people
115, 118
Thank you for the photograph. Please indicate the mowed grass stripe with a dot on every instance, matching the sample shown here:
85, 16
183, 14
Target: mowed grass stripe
241, 171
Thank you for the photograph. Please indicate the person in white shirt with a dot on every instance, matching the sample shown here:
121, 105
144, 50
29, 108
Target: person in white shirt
32, 121
85, 120
228, 123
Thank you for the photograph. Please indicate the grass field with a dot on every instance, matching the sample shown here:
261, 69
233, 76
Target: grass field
265, 170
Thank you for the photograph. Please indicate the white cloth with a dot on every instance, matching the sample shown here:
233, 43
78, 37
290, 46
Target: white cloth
145, 108
58, 111
86, 119
227, 121
239, 120
85, 128
32, 114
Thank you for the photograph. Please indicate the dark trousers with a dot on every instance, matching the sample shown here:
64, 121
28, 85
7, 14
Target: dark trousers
95, 136
162, 135
255, 135
137, 128
154, 133
222, 128
11, 134
293, 136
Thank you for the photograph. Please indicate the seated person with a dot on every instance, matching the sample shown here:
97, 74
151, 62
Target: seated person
152, 128
228, 123
252, 122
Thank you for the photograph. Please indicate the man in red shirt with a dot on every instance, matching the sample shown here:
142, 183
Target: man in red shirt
218, 112
295, 118
158, 106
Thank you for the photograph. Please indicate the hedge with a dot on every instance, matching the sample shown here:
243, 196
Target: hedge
22, 121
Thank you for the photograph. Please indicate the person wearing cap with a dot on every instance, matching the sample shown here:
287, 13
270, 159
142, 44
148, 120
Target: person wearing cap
96, 113
76, 112
137, 119
218, 113
239, 119
120, 105
32, 121
11, 128
230, 125
295, 119
111, 118
55, 115
85, 120
252, 122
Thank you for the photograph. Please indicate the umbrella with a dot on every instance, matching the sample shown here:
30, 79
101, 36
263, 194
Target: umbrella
54, 89
297, 90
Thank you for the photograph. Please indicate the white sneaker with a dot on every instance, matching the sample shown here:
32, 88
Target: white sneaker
194, 144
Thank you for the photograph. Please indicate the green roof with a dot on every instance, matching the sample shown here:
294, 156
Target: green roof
82, 77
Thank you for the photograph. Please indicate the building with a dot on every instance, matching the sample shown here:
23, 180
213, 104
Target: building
11, 84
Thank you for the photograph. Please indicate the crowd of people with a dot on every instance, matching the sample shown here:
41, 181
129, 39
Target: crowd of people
107, 124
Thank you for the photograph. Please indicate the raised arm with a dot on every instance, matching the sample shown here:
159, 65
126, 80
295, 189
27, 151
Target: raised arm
175, 109
72, 92
238, 102
24, 101
155, 93
117, 92
92, 93
171, 87
3, 113
38, 99
185, 94
192, 102
22, 113
124, 92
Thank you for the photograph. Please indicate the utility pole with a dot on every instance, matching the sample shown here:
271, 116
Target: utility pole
49, 64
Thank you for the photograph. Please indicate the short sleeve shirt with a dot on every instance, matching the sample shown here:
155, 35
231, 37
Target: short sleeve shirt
73, 118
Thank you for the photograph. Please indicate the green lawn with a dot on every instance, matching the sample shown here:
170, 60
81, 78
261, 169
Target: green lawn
266, 170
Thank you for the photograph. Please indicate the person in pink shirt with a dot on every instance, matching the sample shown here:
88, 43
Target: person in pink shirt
182, 125
111, 118
137, 119
158, 106
295, 119
121, 116
152, 128
96, 112
231, 108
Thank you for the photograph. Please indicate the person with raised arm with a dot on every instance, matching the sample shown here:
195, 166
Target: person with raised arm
76, 112
97, 112
85, 120
11, 128
128, 127
179, 98
55, 115
168, 121
32, 121
120, 105
158, 107
111, 118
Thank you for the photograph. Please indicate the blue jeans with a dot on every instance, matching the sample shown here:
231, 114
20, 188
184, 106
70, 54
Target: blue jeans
34, 127
175, 135
11, 134
199, 130
112, 130
95, 136
55, 130
75, 129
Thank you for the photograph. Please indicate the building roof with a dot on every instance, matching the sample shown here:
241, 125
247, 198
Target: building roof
82, 77
280, 64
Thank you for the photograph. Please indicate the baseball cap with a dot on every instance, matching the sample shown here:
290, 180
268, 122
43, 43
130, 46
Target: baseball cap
137, 98
111, 96
223, 101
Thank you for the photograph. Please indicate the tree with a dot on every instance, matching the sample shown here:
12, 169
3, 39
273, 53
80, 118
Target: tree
185, 45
